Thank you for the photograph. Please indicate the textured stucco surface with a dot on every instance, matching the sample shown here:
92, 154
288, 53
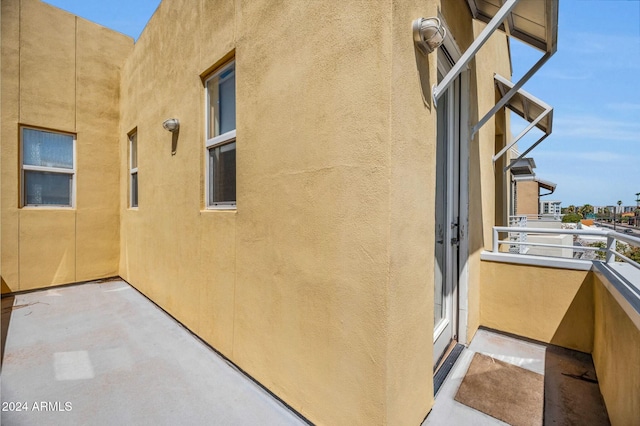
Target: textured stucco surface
616, 356
322, 279
292, 285
527, 197
545, 304
60, 72
320, 283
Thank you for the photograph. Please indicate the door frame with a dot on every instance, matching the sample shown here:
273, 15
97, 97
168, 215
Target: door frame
460, 289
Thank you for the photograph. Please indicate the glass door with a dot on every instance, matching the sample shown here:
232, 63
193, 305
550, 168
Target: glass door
446, 212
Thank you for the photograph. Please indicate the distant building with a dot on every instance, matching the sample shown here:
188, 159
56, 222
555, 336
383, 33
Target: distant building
527, 187
549, 207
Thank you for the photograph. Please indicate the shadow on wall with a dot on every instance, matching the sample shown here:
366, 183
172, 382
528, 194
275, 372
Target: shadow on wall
7, 308
422, 64
5, 286
174, 141
576, 329
476, 211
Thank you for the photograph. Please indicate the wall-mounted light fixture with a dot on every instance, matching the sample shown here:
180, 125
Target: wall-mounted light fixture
172, 124
428, 34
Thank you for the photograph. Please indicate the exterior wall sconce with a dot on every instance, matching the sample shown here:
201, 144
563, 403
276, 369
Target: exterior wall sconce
428, 34
172, 124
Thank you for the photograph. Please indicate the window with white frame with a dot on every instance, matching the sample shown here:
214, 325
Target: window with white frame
133, 169
221, 137
48, 168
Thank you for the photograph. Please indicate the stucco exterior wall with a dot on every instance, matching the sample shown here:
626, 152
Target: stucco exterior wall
616, 356
325, 269
60, 72
320, 284
411, 151
291, 286
527, 197
545, 304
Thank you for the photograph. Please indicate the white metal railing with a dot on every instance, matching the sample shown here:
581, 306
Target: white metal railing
610, 250
518, 221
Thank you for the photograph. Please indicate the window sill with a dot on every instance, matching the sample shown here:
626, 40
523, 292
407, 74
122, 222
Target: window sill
47, 208
222, 208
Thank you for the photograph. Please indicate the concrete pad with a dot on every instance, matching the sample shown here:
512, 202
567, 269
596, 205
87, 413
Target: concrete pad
569, 398
102, 354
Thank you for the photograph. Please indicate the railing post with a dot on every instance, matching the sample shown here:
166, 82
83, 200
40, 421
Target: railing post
495, 240
611, 245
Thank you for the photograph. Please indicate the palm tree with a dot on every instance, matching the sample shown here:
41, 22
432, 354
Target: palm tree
614, 215
571, 209
586, 209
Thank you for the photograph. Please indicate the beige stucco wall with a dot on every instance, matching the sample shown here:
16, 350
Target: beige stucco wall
528, 199
616, 356
320, 285
292, 286
545, 304
60, 72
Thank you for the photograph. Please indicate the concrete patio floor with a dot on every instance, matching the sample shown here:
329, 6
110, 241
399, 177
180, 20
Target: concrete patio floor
568, 400
103, 354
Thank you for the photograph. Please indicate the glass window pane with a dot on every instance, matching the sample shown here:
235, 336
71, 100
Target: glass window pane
228, 104
42, 188
212, 95
222, 174
134, 190
47, 149
134, 150
221, 93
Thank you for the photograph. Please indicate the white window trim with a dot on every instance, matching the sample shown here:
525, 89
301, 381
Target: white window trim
133, 170
214, 142
60, 170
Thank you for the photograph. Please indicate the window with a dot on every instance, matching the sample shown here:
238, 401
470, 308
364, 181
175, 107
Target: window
221, 137
48, 168
133, 169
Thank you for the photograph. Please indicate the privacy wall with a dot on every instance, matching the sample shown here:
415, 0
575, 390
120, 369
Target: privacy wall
60, 73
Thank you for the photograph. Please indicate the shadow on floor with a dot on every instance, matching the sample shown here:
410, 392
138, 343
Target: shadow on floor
571, 392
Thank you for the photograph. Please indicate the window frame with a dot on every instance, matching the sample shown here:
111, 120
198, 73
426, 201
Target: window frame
46, 169
133, 170
216, 141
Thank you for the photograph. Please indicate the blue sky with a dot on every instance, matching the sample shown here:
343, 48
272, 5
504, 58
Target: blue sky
593, 83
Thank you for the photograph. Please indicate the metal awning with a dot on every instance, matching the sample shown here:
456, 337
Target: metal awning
522, 171
532, 109
534, 22
549, 186
526, 105
531, 21
522, 168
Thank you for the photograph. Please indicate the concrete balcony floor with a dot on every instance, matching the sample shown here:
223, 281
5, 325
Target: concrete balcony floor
569, 399
102, 354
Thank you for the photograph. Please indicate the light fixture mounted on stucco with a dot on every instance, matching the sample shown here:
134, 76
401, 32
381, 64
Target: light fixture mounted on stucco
171, 124
428, 34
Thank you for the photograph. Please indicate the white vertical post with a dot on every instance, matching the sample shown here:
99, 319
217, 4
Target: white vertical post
611, 245
495, 240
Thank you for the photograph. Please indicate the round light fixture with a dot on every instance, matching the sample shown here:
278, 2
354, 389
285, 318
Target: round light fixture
172, 124
428, 34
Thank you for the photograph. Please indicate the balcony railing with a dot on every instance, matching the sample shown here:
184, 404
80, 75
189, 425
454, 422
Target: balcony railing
610, 250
